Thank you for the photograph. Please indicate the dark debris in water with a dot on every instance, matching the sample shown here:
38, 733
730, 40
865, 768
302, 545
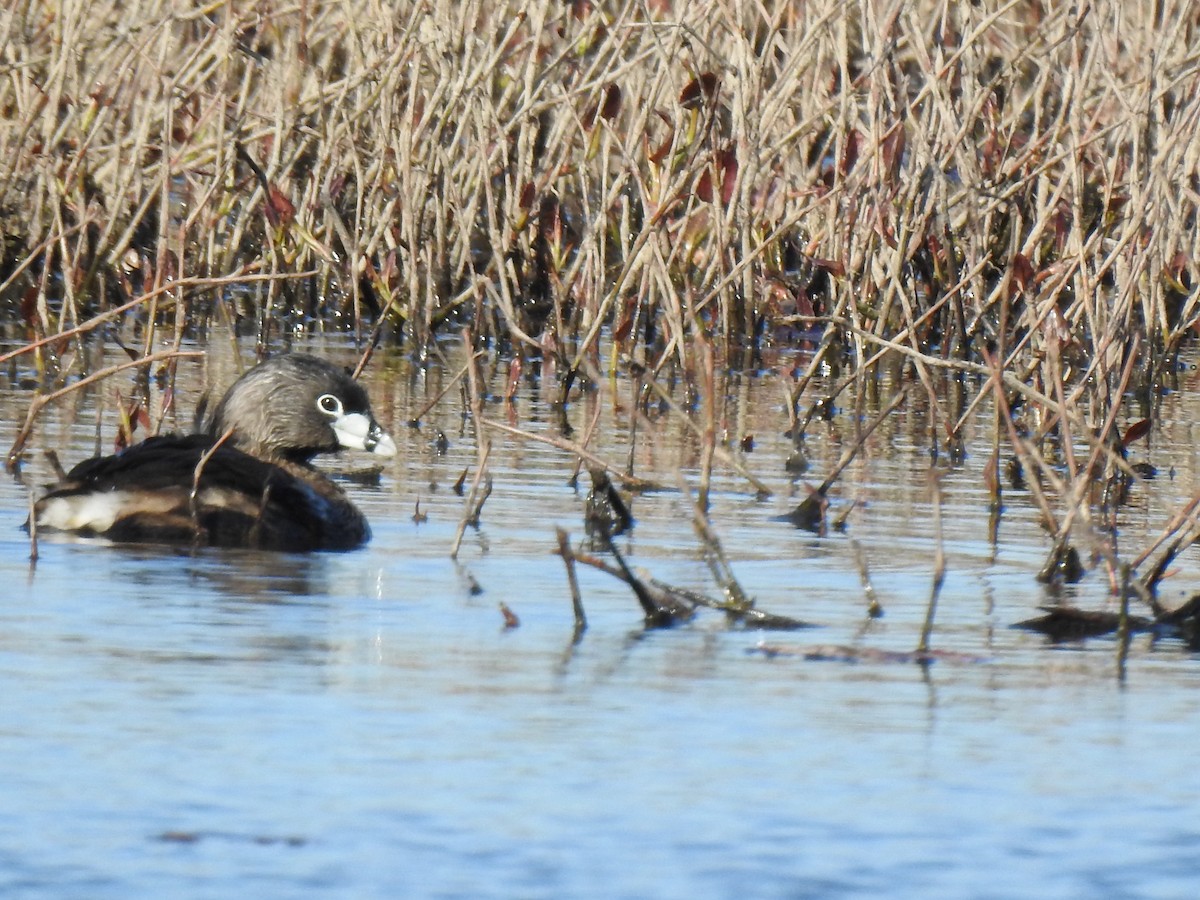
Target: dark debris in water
606, 511
510, 617
809, 515
1063, 565
1185, 619
194, 837
1069, 623
845, 654
758, 619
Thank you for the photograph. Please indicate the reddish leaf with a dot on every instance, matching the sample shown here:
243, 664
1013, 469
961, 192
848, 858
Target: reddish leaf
611, 106
936, 250
390, 270
280, 210
726, 166
699, 90
625, 326
893, 152
1061, 221
727, 160
336, 187
29, 304
369, 270
1116, 203
885, 228
850, 152
990, 153
528, 192
832, 267
418, 111
1022, 271
514, 378
1138, 429
608, 108
657, 155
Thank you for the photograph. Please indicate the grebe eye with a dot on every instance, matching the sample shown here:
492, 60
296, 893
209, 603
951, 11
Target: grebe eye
329, 404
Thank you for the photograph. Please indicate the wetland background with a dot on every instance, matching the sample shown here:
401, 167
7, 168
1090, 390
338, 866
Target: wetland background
701, 246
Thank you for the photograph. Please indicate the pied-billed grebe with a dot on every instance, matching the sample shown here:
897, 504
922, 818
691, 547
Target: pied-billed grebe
257, 488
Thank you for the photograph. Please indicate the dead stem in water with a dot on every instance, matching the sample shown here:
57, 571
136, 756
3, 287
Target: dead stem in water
473, 507
33, 532
874, 607
939, 562
568, 558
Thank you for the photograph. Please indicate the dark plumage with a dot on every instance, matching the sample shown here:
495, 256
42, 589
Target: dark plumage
257, 488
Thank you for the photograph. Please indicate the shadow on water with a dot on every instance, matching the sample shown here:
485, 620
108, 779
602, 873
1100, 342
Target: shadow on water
248, 576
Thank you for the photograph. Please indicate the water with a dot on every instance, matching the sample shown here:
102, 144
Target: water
363, 725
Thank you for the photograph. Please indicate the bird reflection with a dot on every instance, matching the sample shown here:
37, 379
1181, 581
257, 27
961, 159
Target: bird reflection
247, 575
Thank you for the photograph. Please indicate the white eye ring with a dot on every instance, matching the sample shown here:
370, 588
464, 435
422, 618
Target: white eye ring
330, 405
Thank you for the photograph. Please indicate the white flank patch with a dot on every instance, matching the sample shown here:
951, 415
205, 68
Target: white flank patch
93, 511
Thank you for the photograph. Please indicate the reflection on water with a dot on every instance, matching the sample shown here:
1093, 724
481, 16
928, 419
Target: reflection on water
362, 724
